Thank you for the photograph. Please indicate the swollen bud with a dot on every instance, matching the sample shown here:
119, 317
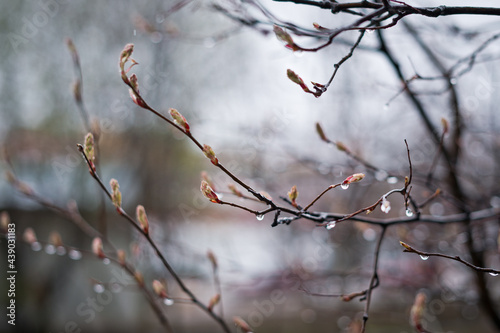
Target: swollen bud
213, 302
88, 147
406, 246
417, 312
210, 154
285, 37
212, 258
124, 57
321, 133
293, 194
55, 239
121, 257
353, 178
29, 236
97, 248
134, 93
234, 190
116, 195
241, 324
341, 146
204, 176
140, 213
139, 278
4, 221
159, 289
297, 79
208, 192
179, 119
444, 123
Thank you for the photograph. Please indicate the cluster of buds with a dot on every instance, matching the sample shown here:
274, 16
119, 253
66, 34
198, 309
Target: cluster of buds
292, 195
208, 192
210, 154
140, 213
116, 195
179, 120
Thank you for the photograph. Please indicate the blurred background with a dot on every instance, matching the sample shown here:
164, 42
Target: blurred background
230, 83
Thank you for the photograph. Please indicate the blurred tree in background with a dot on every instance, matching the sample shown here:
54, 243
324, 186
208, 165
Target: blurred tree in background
365, 200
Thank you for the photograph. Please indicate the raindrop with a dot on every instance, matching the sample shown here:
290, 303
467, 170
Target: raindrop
160, 18
381, 175
392, 180
344, 186
260, 217
168, 301
220, 195
298, 54
106, 261
50, 249
453, 81
99, 288
60, 250
75, 254
330, 225
385, 206
36, 246
116, 288
409, 212
495, 202
209, 42
493, 273
423, 257
156, 37
369, 235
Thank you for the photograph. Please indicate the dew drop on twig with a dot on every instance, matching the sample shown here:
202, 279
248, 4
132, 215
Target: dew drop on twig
260, 217
50, 249
424, 257
409, 212
75, 254
60, 250
116, 288
36, 246
392, 180
344, 186
493, 273
381, 175
168, 301
99, 288
330, 225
